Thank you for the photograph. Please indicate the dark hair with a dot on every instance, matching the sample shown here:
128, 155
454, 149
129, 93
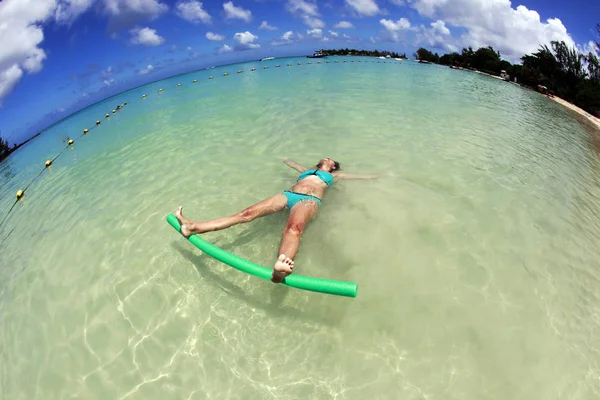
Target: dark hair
336, 165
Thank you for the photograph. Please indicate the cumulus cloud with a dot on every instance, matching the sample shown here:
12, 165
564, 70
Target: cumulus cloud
233, 12
21, 35
394, 29
333, 33
308, 11
265, 26
315, 33
214, 36
438, 35
343, 25
192, 11
245, 41
512, 31
287, 38
367, 8
68, 10
124, 14
225, 49
346, 36
146, 37
106, 76
146, 70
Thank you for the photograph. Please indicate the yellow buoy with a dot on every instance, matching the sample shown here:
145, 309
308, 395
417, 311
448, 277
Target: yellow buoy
70, 142
265, 67
299, 63
289, 65
225, 74
85, 131
107, 115
336, 61
114, 111
159, 90
318, 62
345, 60
240, 71
277, 66
179, 84
309, 62
327, 62
97, 122
48, 163
210, 77
194, 81
143, 96
253, 69
20, 194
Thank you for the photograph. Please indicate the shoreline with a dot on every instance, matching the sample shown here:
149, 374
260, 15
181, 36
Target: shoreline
595, 121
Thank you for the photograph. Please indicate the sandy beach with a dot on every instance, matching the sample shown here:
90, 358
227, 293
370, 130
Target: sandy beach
595, 121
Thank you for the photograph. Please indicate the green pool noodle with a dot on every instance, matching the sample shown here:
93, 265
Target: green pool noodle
339, 288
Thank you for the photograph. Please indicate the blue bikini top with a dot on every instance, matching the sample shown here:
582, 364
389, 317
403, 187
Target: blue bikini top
323, 175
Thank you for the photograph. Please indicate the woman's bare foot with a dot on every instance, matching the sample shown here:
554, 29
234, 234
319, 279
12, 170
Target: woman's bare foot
186, 224
282, 268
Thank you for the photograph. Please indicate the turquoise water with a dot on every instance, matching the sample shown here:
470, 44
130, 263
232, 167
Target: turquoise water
476, 255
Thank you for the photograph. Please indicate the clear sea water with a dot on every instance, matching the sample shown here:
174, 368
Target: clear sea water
477, 256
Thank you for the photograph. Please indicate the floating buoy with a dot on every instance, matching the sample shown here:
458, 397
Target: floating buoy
352, 61
114, 111
210, 77
85, 131
194, 81
97, 122
143, 96
70, 142
253, 69
336, 61
318, 62
107, 115
48, 163
299, 63
179, 85
289, 65
125, 103
327, 62
225, 74
265, 67
240, 71
345, 60
20, 194
159, 90
277, 66
309, 62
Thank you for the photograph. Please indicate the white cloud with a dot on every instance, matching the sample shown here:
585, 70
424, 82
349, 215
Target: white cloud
343, 25
372, 39
214, 36
512, 31
315, 33
245, 41
127, 13
367, 8
146, 70
233, 12
287, 38
334, 34
438, 36
192, 11
225, 49
265, 25
21, 34
307, 10
346, 36
394, 28
106, 76
189, 48
146, 36
68, 10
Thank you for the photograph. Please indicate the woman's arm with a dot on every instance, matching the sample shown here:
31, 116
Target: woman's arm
295, 165
341, 175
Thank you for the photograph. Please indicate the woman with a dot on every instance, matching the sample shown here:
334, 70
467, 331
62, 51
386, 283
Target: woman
303, 201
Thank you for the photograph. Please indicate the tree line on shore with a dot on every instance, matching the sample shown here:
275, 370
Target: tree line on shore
558, 69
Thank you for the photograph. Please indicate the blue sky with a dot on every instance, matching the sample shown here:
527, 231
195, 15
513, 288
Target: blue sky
58, 56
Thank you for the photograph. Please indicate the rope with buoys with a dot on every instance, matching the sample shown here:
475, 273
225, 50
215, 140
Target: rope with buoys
21, 192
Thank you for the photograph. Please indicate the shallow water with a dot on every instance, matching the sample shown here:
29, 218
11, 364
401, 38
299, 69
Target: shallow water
476, 257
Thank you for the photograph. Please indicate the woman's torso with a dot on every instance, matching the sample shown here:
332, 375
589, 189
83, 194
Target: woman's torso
312, 185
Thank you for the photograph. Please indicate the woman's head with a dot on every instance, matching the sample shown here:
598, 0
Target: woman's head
329, 165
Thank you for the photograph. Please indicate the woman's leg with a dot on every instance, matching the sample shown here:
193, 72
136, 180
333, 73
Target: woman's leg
265, 207
300, 214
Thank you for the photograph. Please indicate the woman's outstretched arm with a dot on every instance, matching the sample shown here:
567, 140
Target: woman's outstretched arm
295, 165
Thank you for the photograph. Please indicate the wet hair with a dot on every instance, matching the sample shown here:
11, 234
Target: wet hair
336, 165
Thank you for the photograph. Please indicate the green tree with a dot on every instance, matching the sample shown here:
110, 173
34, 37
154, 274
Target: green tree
426, 55
487, 59
4, 148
